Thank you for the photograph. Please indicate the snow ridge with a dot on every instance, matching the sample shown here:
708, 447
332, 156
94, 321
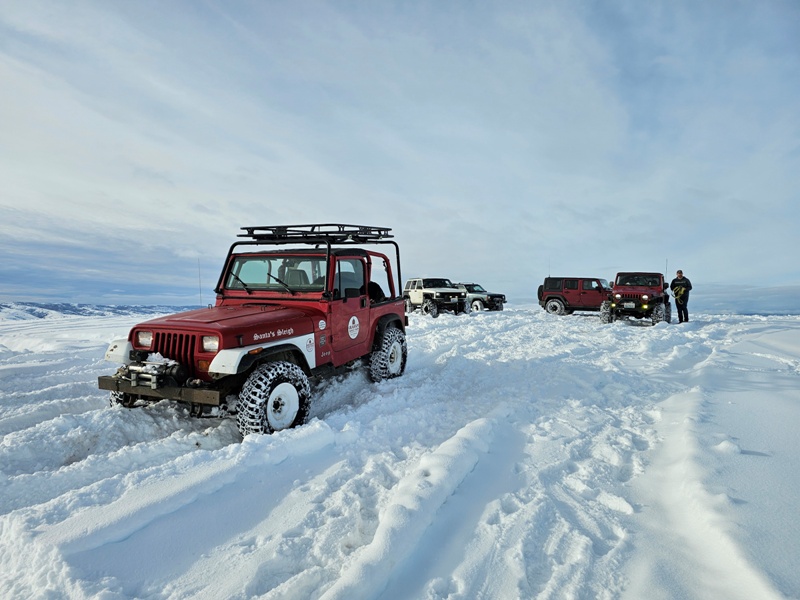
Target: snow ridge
520, 456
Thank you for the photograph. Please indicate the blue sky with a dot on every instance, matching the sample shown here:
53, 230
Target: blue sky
501, 141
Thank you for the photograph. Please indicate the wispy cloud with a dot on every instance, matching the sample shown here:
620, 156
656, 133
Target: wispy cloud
497, 140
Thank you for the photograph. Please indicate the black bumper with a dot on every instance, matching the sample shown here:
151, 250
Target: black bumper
181, 394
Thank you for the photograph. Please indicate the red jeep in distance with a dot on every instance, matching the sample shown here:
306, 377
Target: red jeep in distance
565, 295
282, 316
639, 295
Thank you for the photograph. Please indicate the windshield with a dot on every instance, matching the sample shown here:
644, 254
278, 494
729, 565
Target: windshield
437, 283
277, 273
474, 288
639, 279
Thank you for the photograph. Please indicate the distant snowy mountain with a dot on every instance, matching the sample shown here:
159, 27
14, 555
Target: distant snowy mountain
19, 311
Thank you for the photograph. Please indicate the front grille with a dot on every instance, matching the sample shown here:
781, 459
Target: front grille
631, 296
177, 346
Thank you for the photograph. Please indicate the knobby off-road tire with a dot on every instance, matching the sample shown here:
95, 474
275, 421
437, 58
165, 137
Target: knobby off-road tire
554, 307
276, 396
389, 360
668, 317
605, 313
659, 314
477, 306
429, 307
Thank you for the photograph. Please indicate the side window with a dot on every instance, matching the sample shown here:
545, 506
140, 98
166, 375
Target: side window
378, 288
570, 284
552, 284
349, 278
590, 284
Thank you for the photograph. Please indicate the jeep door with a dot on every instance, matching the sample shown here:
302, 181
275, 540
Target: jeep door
592, 293
571, 293
350, 314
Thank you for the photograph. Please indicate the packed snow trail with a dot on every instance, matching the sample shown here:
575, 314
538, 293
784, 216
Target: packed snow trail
520, 456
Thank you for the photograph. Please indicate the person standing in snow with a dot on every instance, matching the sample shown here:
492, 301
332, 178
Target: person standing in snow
680, 287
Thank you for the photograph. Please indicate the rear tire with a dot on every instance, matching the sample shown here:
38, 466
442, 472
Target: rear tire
389, 360
275, 396
554, 306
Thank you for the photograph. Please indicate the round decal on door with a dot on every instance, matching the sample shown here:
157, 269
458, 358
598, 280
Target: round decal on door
352, 327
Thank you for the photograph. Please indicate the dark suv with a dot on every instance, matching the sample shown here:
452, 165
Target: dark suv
294, 302
565, 295
478, 298
639, 295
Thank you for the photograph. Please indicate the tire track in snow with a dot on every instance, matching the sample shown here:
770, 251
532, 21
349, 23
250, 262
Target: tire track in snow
197, 475
411, 510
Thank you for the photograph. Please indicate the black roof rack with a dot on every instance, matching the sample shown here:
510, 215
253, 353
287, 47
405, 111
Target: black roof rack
325, 233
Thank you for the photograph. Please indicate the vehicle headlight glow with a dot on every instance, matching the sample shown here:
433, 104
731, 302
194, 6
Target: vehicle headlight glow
144, 339
645, 297
210, 343
618, 296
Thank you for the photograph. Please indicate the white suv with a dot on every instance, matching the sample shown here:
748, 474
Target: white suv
433, 295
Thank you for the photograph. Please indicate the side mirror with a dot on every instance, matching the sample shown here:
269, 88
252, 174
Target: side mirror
666, 286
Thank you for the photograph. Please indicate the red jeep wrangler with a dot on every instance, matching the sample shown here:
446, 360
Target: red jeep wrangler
282, 316
639, 295
565, 295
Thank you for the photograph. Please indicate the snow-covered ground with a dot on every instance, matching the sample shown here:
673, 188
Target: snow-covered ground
520, 456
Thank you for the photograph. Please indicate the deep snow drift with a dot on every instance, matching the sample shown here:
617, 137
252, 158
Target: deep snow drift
520, 456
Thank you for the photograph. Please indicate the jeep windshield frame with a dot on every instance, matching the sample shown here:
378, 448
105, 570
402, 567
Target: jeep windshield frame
320, 241
281, 271
650, 280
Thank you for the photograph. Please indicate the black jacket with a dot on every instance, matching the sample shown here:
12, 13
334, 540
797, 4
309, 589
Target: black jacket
680, 289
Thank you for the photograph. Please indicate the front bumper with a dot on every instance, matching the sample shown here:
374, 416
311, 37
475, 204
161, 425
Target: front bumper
181, 394
627, 306
495, 301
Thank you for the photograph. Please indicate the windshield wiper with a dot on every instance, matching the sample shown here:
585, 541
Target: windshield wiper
283, 283
244, 285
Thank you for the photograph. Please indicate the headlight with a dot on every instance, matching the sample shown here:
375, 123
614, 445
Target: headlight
144, 339
210, 343
645, 297
618, 296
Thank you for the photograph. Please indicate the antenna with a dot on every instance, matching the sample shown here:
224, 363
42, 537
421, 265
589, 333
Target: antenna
199, 281
666, 267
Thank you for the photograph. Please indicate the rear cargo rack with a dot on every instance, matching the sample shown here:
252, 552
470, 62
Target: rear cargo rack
326, 233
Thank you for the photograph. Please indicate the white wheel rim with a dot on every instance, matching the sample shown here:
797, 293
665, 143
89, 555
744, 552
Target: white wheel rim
395, 358
282, 406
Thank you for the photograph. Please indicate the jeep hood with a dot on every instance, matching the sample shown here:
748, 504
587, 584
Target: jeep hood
231, 319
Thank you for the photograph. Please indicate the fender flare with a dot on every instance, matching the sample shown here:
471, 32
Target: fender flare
384, 323
234, 361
